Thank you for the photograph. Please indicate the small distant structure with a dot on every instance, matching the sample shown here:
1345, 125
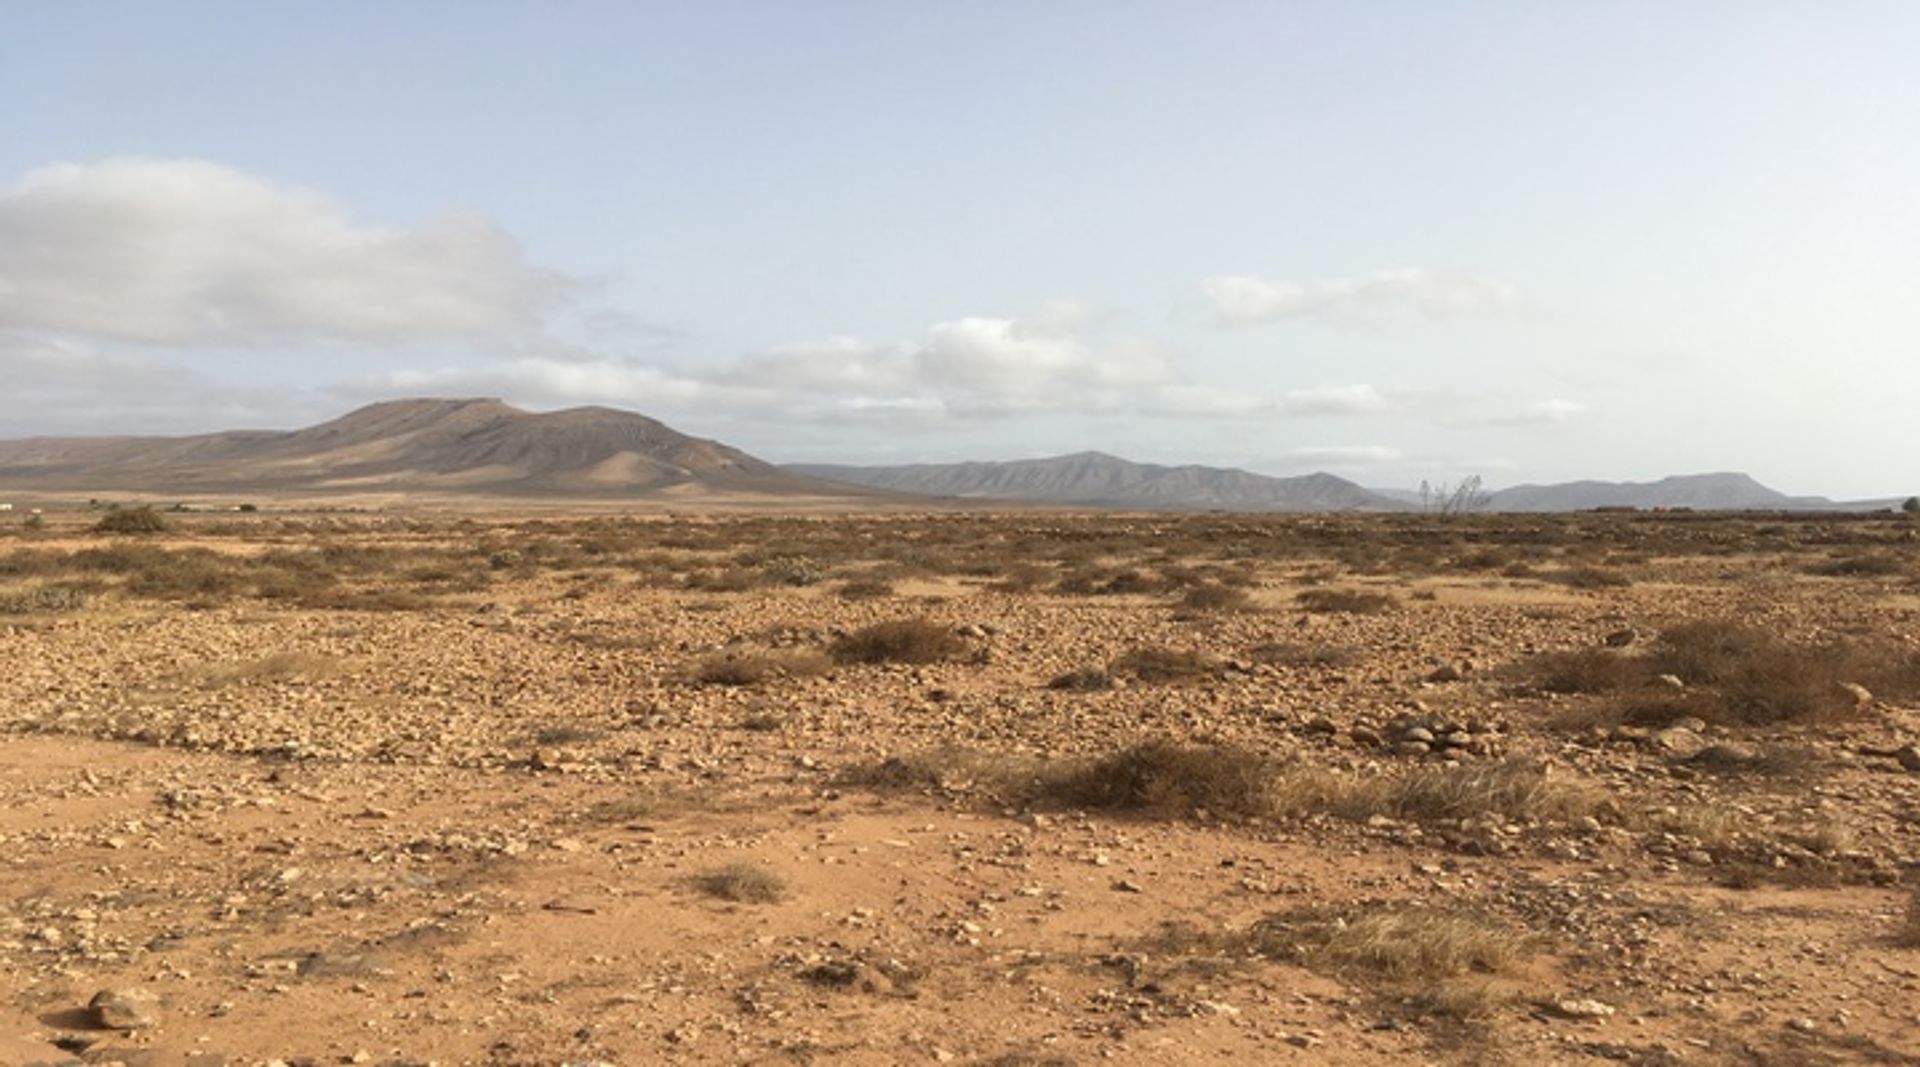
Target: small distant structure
6, 507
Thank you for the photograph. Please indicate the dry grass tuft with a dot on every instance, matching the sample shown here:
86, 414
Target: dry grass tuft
1084, 680
899, 641
1511, 789
752, 666
1344, 602
1157, 663
743, 883
1168, 779
1585, 670
140, 520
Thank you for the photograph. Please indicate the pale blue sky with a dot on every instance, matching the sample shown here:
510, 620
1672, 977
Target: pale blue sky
1532, 240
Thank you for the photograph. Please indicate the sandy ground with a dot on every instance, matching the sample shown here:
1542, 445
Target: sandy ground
485, 829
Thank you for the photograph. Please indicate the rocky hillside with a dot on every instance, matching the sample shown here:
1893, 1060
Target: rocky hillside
483, 446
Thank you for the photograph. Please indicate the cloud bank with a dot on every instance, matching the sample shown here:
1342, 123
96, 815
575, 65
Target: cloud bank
1244, 300
184, 252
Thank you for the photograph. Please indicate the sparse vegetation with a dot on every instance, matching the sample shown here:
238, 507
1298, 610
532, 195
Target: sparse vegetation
743, 667
900, 641
1159, 664
135, 520
744, 883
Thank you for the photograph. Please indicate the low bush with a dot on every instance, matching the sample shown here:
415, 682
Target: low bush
899, 641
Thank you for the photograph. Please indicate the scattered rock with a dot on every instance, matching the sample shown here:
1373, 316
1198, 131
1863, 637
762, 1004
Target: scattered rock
127, 1008
1583, 1008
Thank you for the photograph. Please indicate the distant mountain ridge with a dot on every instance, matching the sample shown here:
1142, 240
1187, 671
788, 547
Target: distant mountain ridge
1720, 491
463, 445
1096, 479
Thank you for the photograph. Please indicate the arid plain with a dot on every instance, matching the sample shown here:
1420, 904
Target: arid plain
956, 787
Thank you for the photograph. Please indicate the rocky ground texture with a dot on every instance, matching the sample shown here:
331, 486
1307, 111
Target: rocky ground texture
1439, 789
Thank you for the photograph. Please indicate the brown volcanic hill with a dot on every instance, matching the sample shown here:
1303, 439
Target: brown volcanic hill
469, 446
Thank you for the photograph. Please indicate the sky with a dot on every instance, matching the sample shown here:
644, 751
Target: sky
1394, 241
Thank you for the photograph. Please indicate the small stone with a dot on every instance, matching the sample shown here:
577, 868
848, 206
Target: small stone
1583, 1008
1909, 757
1620, 638
1417, 733
1679, 741
1445, 673
1412, 748
1671, 681
1802, 1024
124, 1009
1860, 694
1127, 885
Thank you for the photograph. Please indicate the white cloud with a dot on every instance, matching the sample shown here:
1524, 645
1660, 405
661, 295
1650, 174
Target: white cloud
1544, 412
1340, 456
184, 252
1244, 300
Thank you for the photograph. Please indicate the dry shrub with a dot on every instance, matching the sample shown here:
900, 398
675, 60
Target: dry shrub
1213, 597
1169, 779
1509, 789
140, 520
1757, 678
899, 641
743, 883
1157, 663
1344, 602
1585, 670
46, 599
1084, 680
1296, 654
1438, 960
740, 667
1589, 578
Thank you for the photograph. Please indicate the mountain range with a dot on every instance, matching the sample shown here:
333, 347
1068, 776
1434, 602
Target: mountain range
487, 447
1097, 480
445, 446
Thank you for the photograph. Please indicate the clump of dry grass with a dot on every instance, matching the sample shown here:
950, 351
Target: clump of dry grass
899, 641
1510, 789
1083, 680
45, 599
1733, 675
1344, 602
1167, 778
1443, 961
1159, 664
743, 667
1585, 670
743, 883
136, 520
1589, 577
